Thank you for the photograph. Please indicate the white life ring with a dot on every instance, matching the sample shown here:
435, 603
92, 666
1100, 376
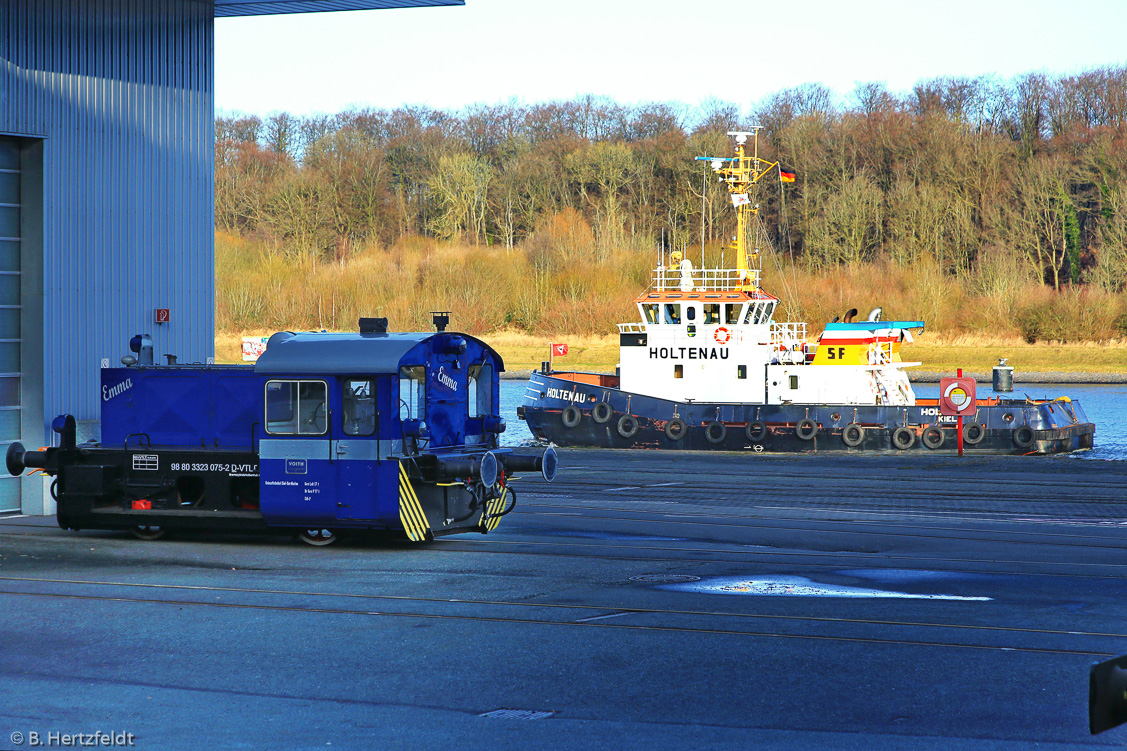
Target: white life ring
722, 335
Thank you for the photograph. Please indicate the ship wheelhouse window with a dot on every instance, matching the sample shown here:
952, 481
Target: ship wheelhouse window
752, 314
794, 381
678, 371
650, 312
672, 312
732, 313
768, 311
690, 312
712, 312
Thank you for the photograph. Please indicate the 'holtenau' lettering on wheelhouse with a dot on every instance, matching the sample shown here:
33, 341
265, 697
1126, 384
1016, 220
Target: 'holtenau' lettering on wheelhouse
688, 353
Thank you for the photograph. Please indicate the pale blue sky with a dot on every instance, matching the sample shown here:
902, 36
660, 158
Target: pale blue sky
645, 50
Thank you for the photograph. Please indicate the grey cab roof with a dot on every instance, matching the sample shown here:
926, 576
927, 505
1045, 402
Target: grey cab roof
325, 354
228, 8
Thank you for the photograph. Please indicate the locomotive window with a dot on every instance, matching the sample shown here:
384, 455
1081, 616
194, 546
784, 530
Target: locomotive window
359, 408
480, 391
296, 407
413, 393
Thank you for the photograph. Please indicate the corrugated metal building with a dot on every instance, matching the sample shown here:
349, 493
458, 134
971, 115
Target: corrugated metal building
106, 196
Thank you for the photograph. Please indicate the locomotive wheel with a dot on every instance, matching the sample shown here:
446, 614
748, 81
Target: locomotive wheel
148, 532
570, 416
716, 432
602, 413
903, 438
755, 431
675, 429
973, 433
852, 435
627, 426
806, 429
317, 537
932, 436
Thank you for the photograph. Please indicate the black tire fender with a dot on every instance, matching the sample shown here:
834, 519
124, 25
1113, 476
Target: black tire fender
806, 429
1023, 437
571, 416
755, 431
903, 438
932, 436
675, 429
602, 413
715, 432
852, 435
973, 433
627, 426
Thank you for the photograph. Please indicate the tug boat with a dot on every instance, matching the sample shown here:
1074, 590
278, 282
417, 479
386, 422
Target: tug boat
707, 366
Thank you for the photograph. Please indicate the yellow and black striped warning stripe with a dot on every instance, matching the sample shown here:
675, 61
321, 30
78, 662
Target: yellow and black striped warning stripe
493, 509
411, 514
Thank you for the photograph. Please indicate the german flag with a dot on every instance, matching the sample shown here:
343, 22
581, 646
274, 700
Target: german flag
786, 175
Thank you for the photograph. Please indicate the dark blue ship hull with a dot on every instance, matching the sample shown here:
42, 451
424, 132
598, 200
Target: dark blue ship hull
575, 409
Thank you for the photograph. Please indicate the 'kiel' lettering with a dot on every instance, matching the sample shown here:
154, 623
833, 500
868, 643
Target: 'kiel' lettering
688, 353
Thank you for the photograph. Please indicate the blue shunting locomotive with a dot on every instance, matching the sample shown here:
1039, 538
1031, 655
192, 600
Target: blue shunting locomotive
325, 434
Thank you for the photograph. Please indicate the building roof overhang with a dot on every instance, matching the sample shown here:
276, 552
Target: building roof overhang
229, 8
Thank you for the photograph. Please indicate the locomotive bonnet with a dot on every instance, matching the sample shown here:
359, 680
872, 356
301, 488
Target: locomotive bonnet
327, 433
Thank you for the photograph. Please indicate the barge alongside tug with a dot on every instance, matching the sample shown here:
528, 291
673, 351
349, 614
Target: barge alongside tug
706, 366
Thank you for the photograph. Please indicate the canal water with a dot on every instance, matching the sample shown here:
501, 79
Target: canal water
1105, 405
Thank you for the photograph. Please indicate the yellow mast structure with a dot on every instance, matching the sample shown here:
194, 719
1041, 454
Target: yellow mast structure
739, 173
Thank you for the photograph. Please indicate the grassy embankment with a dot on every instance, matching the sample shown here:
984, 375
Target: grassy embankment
521, 299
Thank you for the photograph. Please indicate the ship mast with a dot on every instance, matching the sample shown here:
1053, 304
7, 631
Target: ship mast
739, 173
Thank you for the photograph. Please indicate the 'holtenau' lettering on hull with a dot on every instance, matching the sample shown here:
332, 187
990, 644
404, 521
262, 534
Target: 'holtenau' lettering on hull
567, 396
688, 353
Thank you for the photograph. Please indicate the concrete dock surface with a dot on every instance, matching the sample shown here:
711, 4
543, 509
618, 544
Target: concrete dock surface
643, 600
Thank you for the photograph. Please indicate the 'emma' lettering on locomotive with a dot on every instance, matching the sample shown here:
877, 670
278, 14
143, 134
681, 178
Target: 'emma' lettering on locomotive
109, 392
446, 380
689, 353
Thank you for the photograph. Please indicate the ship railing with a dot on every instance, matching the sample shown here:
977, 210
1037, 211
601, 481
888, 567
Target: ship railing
706, 280
880, 353
788, 334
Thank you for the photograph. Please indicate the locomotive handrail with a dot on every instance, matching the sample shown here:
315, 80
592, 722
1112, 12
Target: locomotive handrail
148, 441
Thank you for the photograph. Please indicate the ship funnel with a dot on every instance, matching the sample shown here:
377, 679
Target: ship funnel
874, 314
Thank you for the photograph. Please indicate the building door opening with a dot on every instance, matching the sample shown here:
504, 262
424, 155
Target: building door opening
10, 313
